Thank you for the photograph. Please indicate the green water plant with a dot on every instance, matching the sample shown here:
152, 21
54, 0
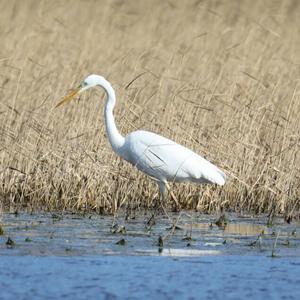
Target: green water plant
160, 244
273, 254
2, 230
222, 221
121, 242
10, 243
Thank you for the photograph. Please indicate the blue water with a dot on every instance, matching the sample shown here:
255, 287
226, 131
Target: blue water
148, 277
77, 257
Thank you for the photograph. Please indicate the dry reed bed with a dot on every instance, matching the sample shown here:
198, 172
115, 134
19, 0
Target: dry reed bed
219, 77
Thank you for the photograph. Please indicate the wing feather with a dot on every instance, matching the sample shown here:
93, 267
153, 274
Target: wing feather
166, 160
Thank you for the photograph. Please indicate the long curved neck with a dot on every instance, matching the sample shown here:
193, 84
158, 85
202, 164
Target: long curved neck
115, 138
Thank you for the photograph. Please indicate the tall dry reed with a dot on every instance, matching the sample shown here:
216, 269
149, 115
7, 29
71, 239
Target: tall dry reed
220, 77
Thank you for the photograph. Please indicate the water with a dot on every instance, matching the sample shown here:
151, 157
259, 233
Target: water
74, 257
138, 277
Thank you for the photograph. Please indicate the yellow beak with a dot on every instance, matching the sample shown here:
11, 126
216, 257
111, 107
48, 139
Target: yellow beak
69, 97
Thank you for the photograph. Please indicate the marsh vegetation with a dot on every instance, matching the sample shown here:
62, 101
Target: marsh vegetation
220, 77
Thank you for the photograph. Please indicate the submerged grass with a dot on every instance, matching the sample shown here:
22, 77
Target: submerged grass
219, 77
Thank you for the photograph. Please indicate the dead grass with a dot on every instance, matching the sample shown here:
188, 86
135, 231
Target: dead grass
221, 77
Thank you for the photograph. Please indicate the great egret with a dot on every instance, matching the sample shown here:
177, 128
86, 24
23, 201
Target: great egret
160, 158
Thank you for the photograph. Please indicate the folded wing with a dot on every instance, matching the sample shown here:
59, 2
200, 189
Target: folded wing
166, 160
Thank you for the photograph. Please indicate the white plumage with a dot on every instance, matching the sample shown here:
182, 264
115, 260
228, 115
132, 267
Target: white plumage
161, 158
166, 160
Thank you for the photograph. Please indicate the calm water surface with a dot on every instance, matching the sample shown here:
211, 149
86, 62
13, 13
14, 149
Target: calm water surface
75, 257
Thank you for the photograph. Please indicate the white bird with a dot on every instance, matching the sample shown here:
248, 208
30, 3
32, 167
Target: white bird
160, 158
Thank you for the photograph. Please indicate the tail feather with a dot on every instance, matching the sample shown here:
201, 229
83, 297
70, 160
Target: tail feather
216, 176
220, 179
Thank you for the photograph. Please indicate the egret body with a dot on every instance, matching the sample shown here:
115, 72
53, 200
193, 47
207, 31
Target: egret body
160, 158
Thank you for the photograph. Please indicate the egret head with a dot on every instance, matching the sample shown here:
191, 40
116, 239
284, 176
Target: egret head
89, 82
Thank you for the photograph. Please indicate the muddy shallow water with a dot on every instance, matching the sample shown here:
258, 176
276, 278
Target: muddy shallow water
70, 256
